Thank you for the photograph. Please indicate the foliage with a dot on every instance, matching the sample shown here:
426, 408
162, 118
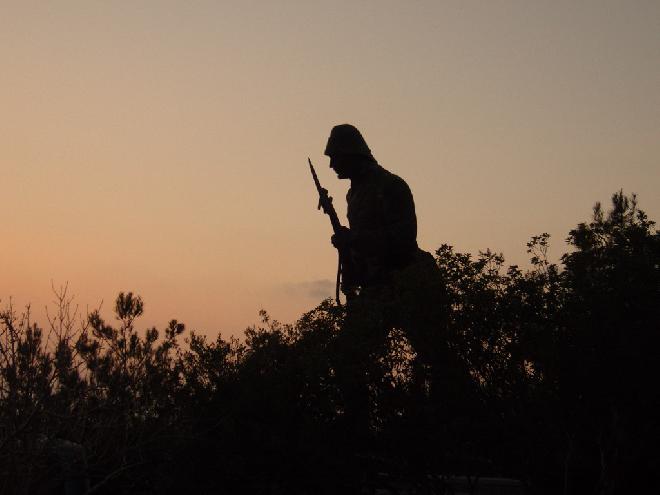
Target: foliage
560, 386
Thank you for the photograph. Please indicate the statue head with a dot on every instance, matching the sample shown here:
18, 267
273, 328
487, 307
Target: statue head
348, 151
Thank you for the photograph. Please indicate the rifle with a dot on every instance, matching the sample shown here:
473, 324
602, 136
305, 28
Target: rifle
325, 202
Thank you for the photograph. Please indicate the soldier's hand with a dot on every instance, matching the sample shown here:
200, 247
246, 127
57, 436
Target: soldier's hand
342, 239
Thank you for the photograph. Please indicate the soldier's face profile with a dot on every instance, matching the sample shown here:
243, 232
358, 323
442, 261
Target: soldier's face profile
342, 165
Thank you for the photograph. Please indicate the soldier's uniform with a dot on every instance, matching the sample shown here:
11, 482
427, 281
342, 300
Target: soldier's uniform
399, 284
388, 281
381, 215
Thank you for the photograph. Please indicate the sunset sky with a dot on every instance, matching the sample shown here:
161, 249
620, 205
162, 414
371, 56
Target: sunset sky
161, 147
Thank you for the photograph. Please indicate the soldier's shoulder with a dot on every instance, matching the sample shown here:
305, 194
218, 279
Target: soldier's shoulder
390, 180
384, 175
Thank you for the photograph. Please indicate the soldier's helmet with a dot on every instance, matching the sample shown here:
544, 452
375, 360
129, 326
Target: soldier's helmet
345, 139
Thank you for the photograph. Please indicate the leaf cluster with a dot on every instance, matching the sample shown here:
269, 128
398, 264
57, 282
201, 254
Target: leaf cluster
548, 375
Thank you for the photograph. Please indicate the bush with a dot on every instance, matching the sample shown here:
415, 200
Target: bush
560, 392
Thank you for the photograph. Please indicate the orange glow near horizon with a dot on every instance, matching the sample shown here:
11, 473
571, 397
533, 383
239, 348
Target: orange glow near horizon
161, 148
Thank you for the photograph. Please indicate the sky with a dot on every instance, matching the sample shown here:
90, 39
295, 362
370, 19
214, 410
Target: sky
161, 147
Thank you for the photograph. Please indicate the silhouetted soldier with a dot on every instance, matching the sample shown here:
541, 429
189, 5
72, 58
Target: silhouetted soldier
388, 281
382, 237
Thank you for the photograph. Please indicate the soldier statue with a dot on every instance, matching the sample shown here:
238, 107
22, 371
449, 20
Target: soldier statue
388, 281
382, 235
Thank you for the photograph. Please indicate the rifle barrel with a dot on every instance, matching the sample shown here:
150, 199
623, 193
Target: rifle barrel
325, 201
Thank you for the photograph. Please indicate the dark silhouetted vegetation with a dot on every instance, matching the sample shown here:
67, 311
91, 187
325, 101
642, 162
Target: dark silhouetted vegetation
563, 390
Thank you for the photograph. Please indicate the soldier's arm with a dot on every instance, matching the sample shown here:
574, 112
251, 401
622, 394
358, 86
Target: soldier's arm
398, 233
